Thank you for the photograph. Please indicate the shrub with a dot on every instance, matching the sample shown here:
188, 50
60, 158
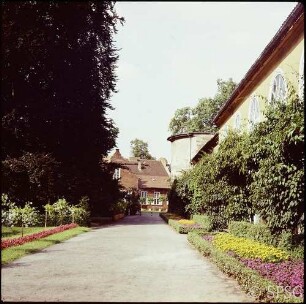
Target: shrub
251, 282
257, 232
118, 207
166, 216
204, 220
182, 228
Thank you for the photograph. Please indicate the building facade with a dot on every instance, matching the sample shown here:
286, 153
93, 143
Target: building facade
279, 67
183, 148
148, 178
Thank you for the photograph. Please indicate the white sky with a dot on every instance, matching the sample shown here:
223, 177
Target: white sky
172, 54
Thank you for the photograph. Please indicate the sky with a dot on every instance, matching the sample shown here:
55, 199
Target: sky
171, 55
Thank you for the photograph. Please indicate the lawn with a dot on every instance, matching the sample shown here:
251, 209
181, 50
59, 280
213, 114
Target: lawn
7, 232
16, 252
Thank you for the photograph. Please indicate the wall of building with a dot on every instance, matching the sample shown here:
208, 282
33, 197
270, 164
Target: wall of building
183, 149
289, 66
160, 208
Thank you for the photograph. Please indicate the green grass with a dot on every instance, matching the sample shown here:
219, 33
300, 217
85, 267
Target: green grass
9, 232
10, 254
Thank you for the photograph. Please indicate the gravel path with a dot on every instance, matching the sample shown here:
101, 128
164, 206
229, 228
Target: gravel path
138, 259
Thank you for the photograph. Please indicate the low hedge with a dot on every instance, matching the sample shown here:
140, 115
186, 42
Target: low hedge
261, 233
204, 220
184, 229
167, 216
257, 232
251, 282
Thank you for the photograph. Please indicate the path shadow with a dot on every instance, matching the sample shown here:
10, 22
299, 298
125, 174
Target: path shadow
146, 218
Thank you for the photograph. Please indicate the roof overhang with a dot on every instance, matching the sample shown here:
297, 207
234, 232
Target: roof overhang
290, 33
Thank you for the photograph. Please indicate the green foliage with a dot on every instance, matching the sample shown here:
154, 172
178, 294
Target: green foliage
119, 207
260, 172
168, 215
139, 148
277, 145
258, 232
248, 279
204, 220
200, 118
57, 79
184, 229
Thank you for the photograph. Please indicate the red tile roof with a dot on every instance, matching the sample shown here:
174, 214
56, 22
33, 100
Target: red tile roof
150, 173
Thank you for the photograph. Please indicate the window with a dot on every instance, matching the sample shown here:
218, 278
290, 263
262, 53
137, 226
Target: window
278, 87
254, 112
237, 121
144, 197
301, 77
156, 197
226, 128
116, 174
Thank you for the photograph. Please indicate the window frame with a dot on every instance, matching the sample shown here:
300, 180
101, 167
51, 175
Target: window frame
145, 196
237, 117
117, 173
278, 72
156, 199
254, 112
301, 76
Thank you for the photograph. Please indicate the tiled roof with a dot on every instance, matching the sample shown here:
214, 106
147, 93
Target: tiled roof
142, 173
149, 181
148, 167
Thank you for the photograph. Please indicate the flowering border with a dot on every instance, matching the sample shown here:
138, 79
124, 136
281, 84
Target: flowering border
32, 237
261, 288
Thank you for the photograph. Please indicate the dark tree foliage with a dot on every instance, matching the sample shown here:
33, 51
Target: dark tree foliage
58, 62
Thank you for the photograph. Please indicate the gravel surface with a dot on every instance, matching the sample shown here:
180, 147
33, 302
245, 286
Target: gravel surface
137, 259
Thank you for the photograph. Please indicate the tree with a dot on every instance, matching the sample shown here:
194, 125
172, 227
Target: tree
57, 78
200, 118
140, 149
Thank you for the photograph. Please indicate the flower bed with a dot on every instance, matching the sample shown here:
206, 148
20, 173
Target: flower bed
32, 237
268, 282
247, 248
184, 226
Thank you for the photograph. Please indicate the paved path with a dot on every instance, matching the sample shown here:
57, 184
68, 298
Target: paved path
138, 259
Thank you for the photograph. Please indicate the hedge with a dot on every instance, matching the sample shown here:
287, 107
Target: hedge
204, 220
261, 233
166, 216
251, 282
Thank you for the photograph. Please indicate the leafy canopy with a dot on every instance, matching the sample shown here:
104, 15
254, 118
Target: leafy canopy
200, 118
139, 148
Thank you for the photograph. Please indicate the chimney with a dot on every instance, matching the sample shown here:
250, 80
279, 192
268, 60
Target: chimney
139, 164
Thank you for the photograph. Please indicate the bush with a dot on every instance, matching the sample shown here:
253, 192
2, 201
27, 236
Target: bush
118, 207
251, 282
261, 233
204, 220
166, 216
182, 228
257, 232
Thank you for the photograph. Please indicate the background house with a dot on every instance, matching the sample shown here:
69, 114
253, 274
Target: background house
149, 178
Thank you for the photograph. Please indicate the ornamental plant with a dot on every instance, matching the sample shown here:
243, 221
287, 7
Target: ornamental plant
248, 248
186, 222
32, 237
288, 274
